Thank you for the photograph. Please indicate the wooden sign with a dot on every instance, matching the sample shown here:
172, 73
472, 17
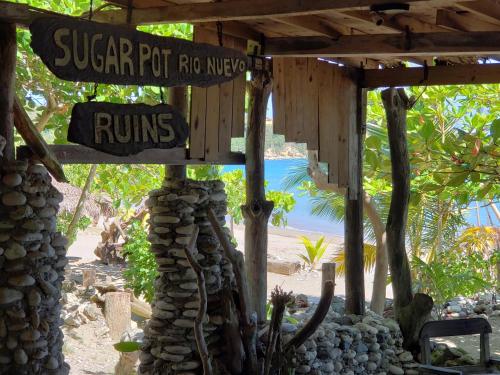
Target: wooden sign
126, 129
80, 50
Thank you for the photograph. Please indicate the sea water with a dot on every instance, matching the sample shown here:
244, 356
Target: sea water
300, 218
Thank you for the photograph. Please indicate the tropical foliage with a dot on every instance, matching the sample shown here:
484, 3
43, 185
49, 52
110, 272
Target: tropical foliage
314, 251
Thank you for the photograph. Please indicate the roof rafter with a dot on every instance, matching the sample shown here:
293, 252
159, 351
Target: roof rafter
428, 44
237, 10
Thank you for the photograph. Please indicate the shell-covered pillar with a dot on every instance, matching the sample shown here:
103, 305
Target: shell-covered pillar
169, 344
32, 261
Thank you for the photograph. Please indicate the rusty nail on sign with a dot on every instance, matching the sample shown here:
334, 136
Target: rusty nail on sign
126, 129
81, 50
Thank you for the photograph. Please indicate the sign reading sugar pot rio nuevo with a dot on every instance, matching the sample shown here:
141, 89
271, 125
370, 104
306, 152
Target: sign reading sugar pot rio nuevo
126, 129
80, 50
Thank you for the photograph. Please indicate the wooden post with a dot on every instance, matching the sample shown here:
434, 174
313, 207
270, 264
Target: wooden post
117, 313
257, 209
354, 274
88, 278
8, 49
327, 274
177, 98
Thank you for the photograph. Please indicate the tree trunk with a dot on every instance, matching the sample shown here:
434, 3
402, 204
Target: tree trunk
73, 225
8, 49
177, 98
377, 303
381, 264
257, 209
410, 312
117, 313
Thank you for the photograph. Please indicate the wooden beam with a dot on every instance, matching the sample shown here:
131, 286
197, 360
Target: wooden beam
236, 10
74, 154
234, 28
488, 10
436, 75
462, 22
433, 44
310, 23
36, 143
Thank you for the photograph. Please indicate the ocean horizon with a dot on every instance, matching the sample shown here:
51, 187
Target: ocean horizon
301, 219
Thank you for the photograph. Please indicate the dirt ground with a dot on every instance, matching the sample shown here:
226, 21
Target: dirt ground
88, 348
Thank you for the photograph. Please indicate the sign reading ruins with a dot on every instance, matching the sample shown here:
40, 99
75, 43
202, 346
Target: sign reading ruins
126, 129
81, 50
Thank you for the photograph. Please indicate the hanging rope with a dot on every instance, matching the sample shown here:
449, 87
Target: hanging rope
162, 99
94, 94
91, 9
219, 33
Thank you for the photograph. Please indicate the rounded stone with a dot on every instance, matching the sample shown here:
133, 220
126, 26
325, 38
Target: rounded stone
14, 198
52, 364
12, 179
34, 298
30, 335
15, 251
21, 280
20, 357
37, 201
8, 295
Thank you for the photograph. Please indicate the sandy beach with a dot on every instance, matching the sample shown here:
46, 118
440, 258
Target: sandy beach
284, 244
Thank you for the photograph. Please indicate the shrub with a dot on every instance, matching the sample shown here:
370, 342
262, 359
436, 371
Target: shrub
142, 268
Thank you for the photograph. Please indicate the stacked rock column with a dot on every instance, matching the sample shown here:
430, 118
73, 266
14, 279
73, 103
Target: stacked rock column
169, 345
32, 261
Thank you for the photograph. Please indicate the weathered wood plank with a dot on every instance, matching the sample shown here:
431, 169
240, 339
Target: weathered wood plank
278, 96
436, 75
226, 106
197, 123
383, 45
291, 119
239, 91
327, 140
234, 10
346, 108
311, 98
212, 123
299, 87
75, 154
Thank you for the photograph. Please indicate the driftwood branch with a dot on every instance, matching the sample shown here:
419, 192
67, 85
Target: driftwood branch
279, 299
202, 309
249, 319
36, 142
317, 318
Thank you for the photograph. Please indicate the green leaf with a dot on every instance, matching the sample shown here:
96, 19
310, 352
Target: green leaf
127, 346
495, 130
458, 180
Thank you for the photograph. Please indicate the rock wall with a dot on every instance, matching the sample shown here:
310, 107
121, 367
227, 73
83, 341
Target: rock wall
169, 346
350, 344
32, 261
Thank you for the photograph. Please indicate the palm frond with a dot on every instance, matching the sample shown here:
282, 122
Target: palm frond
369, 257
295, 176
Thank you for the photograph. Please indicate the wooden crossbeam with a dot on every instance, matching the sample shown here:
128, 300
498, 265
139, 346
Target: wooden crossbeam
75, 154
236, 10
457, 21
380, 45
436, 75
488, 10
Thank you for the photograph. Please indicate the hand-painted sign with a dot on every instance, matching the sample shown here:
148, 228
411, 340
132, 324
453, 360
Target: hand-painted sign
80, 50
126, 129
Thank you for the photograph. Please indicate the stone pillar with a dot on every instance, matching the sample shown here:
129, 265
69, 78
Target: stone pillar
169, 344
32, 261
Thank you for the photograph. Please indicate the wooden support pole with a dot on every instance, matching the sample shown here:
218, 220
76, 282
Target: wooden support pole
177, 98
327, 274
8, 49
257, 209
354, 274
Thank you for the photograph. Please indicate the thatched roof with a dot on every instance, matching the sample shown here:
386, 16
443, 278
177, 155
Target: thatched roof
95, 206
